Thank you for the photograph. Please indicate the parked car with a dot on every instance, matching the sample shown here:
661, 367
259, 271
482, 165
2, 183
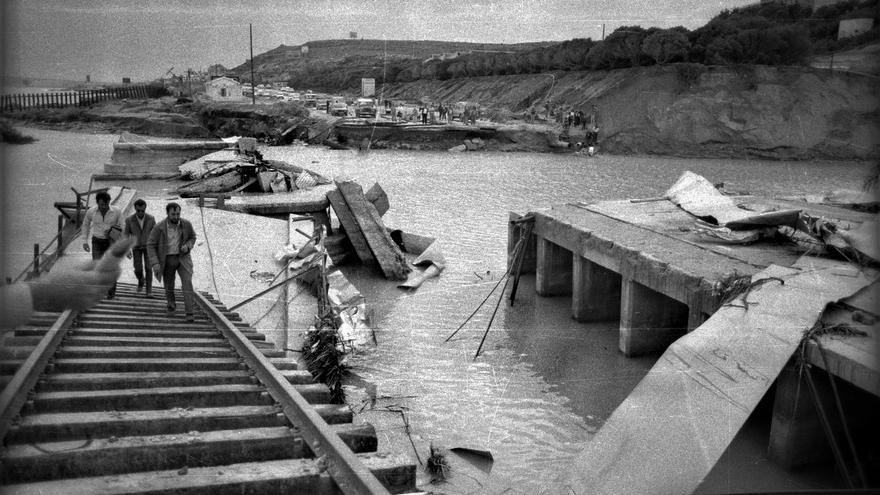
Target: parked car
365, 107
338, 107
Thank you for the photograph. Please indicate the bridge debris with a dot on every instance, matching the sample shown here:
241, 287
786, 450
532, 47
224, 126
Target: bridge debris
720, 219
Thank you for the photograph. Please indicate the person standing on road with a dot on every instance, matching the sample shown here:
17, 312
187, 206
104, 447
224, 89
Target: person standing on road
593, 126
169, 247
102, 225
140, 225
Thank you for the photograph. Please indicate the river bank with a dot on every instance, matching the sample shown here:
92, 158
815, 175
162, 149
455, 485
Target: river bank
683, 110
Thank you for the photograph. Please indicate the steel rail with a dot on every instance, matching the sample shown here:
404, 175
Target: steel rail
349, 473
25, 379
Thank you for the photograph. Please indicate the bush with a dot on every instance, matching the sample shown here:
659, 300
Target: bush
9, 134
780, 45
666, 46
689, 73
289, 109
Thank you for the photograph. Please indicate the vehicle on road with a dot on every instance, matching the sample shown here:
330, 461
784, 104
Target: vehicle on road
338, 107
365, 107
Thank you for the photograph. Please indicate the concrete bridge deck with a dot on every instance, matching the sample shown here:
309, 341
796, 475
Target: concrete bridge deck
641, 261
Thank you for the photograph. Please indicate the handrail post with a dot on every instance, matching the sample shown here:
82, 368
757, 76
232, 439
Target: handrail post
60, 250
36, 259
78, 206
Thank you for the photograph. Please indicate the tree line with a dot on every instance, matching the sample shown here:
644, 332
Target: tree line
766, 34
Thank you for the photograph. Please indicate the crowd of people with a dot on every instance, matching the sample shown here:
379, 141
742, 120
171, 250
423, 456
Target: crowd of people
158, 249
588, 122
442, 113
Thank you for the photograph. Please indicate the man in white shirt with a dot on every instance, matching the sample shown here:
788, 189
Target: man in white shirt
103, 225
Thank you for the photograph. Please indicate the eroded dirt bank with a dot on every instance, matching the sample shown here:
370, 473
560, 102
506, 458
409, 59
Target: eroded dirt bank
688, 110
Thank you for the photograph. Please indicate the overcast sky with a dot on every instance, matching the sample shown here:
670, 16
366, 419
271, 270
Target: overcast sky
142, 39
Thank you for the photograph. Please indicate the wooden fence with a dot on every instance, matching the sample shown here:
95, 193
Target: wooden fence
77, 98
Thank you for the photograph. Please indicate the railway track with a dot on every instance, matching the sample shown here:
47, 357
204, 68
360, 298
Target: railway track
123, 399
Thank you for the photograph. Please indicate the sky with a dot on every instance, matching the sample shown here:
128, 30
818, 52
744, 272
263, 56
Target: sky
143, 39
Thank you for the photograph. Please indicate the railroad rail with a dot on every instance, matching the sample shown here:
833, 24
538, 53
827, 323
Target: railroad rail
124, 399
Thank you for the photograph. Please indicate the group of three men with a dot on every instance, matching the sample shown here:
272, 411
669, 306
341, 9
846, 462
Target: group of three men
162, 249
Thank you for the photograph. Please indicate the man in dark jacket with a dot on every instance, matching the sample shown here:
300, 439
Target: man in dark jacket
139, 225
169, 249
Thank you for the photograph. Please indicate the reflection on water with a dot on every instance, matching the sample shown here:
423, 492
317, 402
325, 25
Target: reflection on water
544, 382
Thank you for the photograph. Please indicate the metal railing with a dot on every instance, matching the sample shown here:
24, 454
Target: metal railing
349, 473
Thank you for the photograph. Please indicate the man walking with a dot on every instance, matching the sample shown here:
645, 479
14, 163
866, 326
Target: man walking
169, 249
103, 225
139, 225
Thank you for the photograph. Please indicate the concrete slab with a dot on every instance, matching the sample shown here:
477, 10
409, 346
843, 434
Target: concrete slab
157, 156
703, 388
298, 201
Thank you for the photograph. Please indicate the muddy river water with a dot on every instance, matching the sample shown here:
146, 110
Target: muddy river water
544, 383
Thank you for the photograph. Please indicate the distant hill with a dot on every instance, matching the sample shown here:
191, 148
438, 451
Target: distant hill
288, 64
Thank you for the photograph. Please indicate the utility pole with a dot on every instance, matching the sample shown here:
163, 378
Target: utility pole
253, 83
603, 31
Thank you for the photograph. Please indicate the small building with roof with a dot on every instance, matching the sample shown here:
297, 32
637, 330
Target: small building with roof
224, 88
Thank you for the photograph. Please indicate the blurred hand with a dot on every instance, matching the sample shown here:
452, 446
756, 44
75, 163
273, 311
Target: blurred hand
129, 255
79, 287
157, 272
86, 247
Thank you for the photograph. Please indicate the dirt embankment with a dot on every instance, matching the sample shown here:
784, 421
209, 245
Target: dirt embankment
768, 112
165, 117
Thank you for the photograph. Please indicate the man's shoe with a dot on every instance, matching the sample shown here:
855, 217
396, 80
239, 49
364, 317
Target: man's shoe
190, 318
140, 287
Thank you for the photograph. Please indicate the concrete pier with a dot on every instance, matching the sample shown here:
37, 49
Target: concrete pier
555, 269
596, 291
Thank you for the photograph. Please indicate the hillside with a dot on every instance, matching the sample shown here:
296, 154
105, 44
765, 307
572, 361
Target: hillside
359, 57
691, 110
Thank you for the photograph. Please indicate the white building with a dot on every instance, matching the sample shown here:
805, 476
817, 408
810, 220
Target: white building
224, 89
